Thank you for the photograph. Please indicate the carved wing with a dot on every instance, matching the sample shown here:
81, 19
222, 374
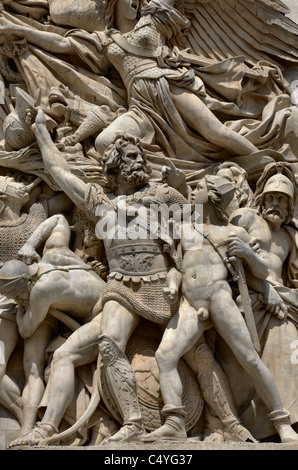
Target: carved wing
256, 29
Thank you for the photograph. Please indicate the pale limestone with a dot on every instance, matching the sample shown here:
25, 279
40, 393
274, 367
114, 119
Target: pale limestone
207, 113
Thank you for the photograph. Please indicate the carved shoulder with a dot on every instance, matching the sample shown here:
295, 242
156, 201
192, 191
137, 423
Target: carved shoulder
245, 218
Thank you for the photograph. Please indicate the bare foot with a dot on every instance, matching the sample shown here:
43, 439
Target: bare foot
128, 433
215, 436
32, 438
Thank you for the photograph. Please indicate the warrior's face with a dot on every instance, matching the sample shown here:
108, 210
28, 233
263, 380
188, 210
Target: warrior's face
275, 207
200, 194
133, 168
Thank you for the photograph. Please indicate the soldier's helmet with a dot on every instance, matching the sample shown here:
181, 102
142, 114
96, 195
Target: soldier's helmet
14, 276
281, 184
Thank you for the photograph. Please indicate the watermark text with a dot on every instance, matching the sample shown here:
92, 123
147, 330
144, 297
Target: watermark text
157, 221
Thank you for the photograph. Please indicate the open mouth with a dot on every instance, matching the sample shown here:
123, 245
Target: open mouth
137, 167
274, 212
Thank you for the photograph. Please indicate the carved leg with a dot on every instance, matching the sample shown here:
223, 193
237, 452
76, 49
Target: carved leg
123, 387
216, 392
10, 393
106, 427
173, 428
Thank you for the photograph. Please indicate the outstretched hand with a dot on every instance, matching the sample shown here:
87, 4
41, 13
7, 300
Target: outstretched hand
170, 294
28, 255
174, 177
40, 120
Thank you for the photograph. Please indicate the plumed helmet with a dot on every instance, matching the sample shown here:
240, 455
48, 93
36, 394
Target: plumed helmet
281, 184
13, 269
14, 275
17, 132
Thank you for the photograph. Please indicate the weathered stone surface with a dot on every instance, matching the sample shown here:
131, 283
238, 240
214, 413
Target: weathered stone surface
148, 224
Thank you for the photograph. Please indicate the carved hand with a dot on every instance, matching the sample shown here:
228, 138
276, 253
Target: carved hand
237, 247
170, 294
69, 140
274, 303
173, 176
28, 254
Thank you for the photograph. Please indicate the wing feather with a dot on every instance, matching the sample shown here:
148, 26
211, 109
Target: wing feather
256, 29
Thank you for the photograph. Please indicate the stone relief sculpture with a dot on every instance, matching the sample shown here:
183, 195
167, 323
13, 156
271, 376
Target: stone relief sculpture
117, 118
206, 296
43, 294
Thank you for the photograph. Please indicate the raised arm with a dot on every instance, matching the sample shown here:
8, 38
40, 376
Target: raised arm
56, 165
58, 225
50, 42
29, 319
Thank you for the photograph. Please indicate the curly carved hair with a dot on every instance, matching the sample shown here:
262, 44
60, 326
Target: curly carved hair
113, 156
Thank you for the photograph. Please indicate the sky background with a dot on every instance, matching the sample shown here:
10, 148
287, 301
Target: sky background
293, 5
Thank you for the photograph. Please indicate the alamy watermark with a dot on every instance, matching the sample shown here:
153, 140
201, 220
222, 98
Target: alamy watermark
157, 221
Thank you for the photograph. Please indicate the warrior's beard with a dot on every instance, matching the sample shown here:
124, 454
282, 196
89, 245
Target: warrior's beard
134, 174
274, 214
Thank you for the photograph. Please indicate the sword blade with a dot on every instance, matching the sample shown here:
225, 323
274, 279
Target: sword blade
246, 302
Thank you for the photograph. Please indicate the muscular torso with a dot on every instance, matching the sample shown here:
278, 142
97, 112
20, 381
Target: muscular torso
204, 268
144, 255
279, 249
73, 291
275, 244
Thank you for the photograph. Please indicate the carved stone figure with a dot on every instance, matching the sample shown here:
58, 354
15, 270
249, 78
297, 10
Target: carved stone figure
128, 175
271, 224
21, 213
211, 298
139, 64
112, 114
58, 283
123, 300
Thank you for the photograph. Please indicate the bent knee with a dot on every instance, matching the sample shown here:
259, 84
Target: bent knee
61, 355
165, 357
251, 361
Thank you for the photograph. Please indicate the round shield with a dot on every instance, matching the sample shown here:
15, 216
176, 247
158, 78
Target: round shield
140, 353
